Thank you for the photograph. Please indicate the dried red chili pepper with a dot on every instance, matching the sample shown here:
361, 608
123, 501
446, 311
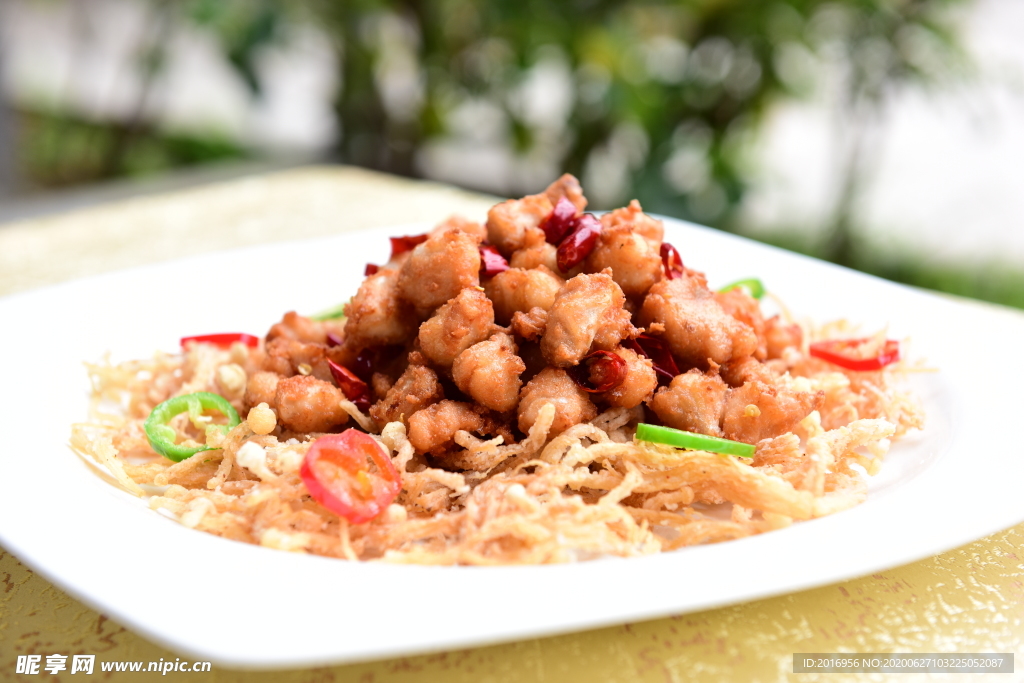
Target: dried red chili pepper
354, 388
491, 262
560, 221
655, 349
672, 261
400, 245
370, 359
579, 243
333, 340
599, 371
370, 269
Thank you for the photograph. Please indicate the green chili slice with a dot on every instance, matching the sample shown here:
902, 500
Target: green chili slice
691, 441
332, 313
751, 284
161, 434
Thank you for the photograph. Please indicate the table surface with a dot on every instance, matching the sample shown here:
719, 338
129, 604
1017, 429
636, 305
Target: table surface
967, 600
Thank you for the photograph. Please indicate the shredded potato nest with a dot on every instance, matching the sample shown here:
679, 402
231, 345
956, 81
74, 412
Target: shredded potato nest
589, 492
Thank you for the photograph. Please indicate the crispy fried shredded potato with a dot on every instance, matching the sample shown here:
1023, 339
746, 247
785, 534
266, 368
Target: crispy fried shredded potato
588, 492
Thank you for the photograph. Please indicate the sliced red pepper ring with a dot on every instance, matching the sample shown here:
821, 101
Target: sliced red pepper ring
837, 352
655, 349
223, 340
754, 287
370, 269
400, 245
334, 340
693, 442
354, 388
672, 261
491, 261
350, 475
578, 244
560, 221
599, 371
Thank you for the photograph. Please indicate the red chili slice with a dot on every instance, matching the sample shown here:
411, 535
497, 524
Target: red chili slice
400, 245
560, 221
599, 371
672, 261
334, 340
579, 243
223, 340
354, 388
350, 475
370, 269
655, 349
491, 262
833, 350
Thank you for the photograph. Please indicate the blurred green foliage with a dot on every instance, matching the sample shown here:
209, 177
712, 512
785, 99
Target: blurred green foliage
664, 97
658, 100
59, 150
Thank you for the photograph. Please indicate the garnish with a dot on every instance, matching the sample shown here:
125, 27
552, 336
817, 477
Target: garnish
691, 441
161, 435
350, 475
836, 351
223, 340
753, 286
599, 371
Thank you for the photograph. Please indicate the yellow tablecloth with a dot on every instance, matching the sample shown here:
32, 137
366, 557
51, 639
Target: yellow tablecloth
966, 600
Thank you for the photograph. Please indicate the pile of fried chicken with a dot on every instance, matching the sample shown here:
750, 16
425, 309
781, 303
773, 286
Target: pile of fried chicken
474, 327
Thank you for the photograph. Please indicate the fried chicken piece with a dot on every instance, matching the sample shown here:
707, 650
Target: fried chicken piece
287, 357
530, 325
588, 312
303, 329
520, 290
508, 222
635, 262
758, 411
512, 223
553, 385
746, 309
489, 372
465, 320
779, 336
432, 430
417, 388
739, 371
377, 316
473, 228
696, 327
567, 186
438, 269
536, 251
693, 402
308, 404
638, 384
634, 218
261, 387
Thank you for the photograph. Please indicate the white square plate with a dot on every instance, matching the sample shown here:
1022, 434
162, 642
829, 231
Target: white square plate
246, 606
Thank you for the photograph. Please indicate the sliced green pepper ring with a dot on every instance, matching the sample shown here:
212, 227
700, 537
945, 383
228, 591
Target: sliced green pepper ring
693, 442
161, 435
753, 286
332, 313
